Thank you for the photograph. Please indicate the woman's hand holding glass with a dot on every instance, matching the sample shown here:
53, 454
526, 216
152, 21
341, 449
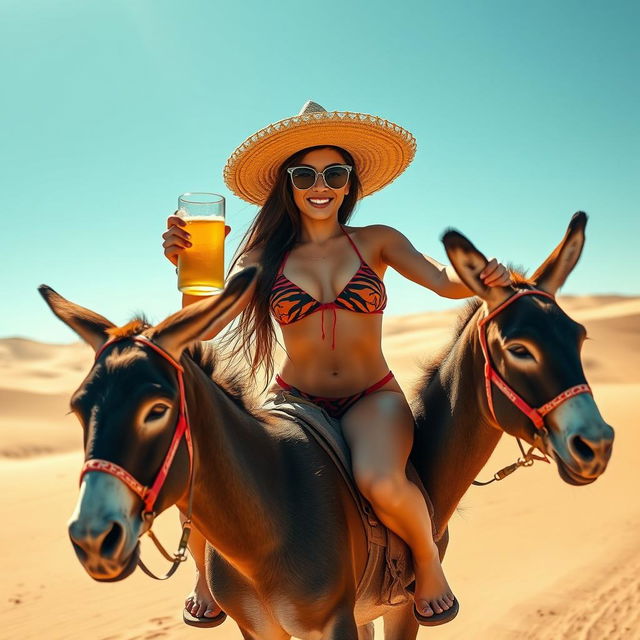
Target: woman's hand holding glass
176, 237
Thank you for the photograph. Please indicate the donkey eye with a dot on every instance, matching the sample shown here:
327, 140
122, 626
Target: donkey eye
520, 351
157, 411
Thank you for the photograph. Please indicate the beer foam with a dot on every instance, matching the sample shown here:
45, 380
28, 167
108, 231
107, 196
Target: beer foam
188, 218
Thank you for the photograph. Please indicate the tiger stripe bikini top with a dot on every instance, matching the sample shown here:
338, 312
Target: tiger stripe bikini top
364, 293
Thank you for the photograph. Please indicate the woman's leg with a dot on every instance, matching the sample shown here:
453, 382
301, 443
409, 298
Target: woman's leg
199, 603
379, 431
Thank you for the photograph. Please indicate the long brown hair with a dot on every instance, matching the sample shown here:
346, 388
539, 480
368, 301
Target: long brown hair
274, 231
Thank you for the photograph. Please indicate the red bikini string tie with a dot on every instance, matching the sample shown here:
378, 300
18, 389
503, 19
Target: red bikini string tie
330, 305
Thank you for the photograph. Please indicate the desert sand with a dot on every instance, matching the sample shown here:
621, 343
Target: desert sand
529, 557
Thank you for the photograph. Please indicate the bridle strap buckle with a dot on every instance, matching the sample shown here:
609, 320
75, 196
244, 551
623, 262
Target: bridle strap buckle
180, 555
526, 460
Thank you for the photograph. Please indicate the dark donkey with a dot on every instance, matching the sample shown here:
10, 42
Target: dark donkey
289, 544
515, 349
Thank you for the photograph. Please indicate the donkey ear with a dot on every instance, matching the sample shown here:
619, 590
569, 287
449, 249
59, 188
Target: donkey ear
469, 263
89, 325
206, 317
553, 272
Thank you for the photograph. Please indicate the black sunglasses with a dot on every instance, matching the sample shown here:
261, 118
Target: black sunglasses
335, 176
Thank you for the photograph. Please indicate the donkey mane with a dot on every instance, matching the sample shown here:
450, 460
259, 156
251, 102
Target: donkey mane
135, 326
232, 382
432, 367
207, 358
518, 279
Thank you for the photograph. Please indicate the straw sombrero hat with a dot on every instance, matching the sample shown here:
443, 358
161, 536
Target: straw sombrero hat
381, 149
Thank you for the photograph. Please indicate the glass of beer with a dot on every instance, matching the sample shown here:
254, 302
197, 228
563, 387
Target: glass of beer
201, 266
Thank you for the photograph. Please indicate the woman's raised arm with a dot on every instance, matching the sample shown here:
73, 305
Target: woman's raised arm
397, 251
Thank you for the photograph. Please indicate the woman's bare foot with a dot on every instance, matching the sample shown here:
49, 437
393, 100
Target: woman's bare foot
200, 603
433, 594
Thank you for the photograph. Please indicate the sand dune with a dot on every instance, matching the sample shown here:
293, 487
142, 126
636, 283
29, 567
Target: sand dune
36, 381
530, 557
42, 368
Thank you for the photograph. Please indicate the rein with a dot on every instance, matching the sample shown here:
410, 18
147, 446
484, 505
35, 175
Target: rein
149, 494
536, 415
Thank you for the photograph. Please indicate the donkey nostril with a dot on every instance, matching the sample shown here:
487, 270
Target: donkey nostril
111, 541
582, 449
80, 552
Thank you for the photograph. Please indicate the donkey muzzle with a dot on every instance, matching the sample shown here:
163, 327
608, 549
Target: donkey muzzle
581, 440
105, 526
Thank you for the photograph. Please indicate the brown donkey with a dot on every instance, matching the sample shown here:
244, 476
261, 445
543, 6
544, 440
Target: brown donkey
514, 349
288, 547
289, 543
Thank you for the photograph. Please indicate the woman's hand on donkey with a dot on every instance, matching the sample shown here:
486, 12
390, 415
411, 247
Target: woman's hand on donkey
495, 274
176, 238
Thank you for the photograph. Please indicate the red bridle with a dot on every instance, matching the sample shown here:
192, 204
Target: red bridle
492, 376
149, 494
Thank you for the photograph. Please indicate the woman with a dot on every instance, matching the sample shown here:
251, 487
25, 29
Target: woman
308, 173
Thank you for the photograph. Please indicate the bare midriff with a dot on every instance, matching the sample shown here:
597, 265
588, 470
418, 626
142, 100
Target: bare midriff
356, 362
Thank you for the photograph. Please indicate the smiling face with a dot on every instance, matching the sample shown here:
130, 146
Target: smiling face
320, 202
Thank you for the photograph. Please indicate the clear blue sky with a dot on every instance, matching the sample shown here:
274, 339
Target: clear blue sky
524, 112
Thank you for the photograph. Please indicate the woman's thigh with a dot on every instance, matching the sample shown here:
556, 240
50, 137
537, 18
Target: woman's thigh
379, 431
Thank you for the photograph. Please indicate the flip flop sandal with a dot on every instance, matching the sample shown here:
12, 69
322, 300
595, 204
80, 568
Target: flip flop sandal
437, 618
204, 621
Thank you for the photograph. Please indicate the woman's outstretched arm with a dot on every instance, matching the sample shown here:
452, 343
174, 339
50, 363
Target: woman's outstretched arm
397, 251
